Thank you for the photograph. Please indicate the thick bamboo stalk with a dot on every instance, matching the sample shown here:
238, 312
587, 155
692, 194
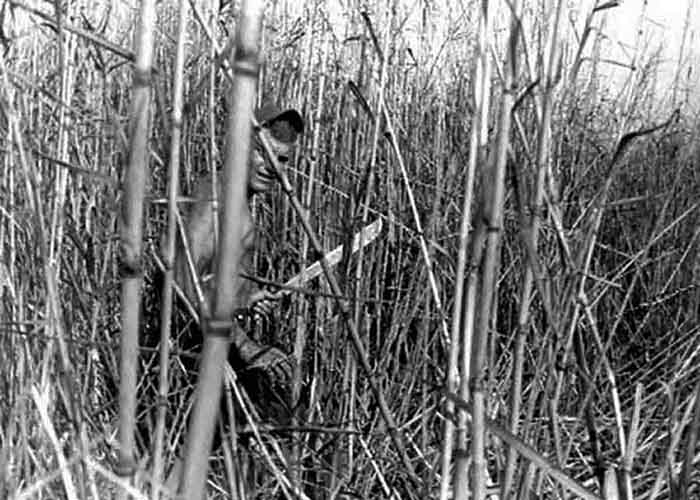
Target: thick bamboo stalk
220, 326
493, 215
465, 287
132, 235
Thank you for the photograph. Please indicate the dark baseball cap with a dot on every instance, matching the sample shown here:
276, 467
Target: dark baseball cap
284, 124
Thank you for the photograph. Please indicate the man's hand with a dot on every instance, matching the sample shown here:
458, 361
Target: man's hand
276, 365
266, 373
263, 302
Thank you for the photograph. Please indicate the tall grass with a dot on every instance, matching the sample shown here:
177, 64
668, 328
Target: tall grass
587, 305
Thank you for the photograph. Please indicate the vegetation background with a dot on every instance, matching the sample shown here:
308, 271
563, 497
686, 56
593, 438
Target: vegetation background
593, 335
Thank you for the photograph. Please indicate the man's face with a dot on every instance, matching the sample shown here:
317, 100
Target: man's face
261, 176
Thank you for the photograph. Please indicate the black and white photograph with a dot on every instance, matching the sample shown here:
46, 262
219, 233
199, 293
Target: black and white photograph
350, 249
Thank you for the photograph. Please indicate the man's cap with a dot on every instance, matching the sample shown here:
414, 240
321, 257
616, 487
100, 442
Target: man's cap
284, 124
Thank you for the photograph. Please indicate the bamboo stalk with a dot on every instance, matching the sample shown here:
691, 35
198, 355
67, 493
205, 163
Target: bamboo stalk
684, 481
480, 79
302, 308
527, 451
169, 251
216, 330
530, 234
131, 233
493, 215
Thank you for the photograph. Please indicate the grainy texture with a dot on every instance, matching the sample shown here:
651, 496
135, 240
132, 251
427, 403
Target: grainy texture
591, 340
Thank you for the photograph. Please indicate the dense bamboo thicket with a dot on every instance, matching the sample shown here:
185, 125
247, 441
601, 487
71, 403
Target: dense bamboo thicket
525, 325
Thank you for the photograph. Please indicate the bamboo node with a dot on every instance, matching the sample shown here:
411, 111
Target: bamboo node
130, 264
126, 467
246, 67
477, 384
142, 78
218, 327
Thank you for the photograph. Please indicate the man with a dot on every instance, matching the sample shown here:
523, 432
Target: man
283, 127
